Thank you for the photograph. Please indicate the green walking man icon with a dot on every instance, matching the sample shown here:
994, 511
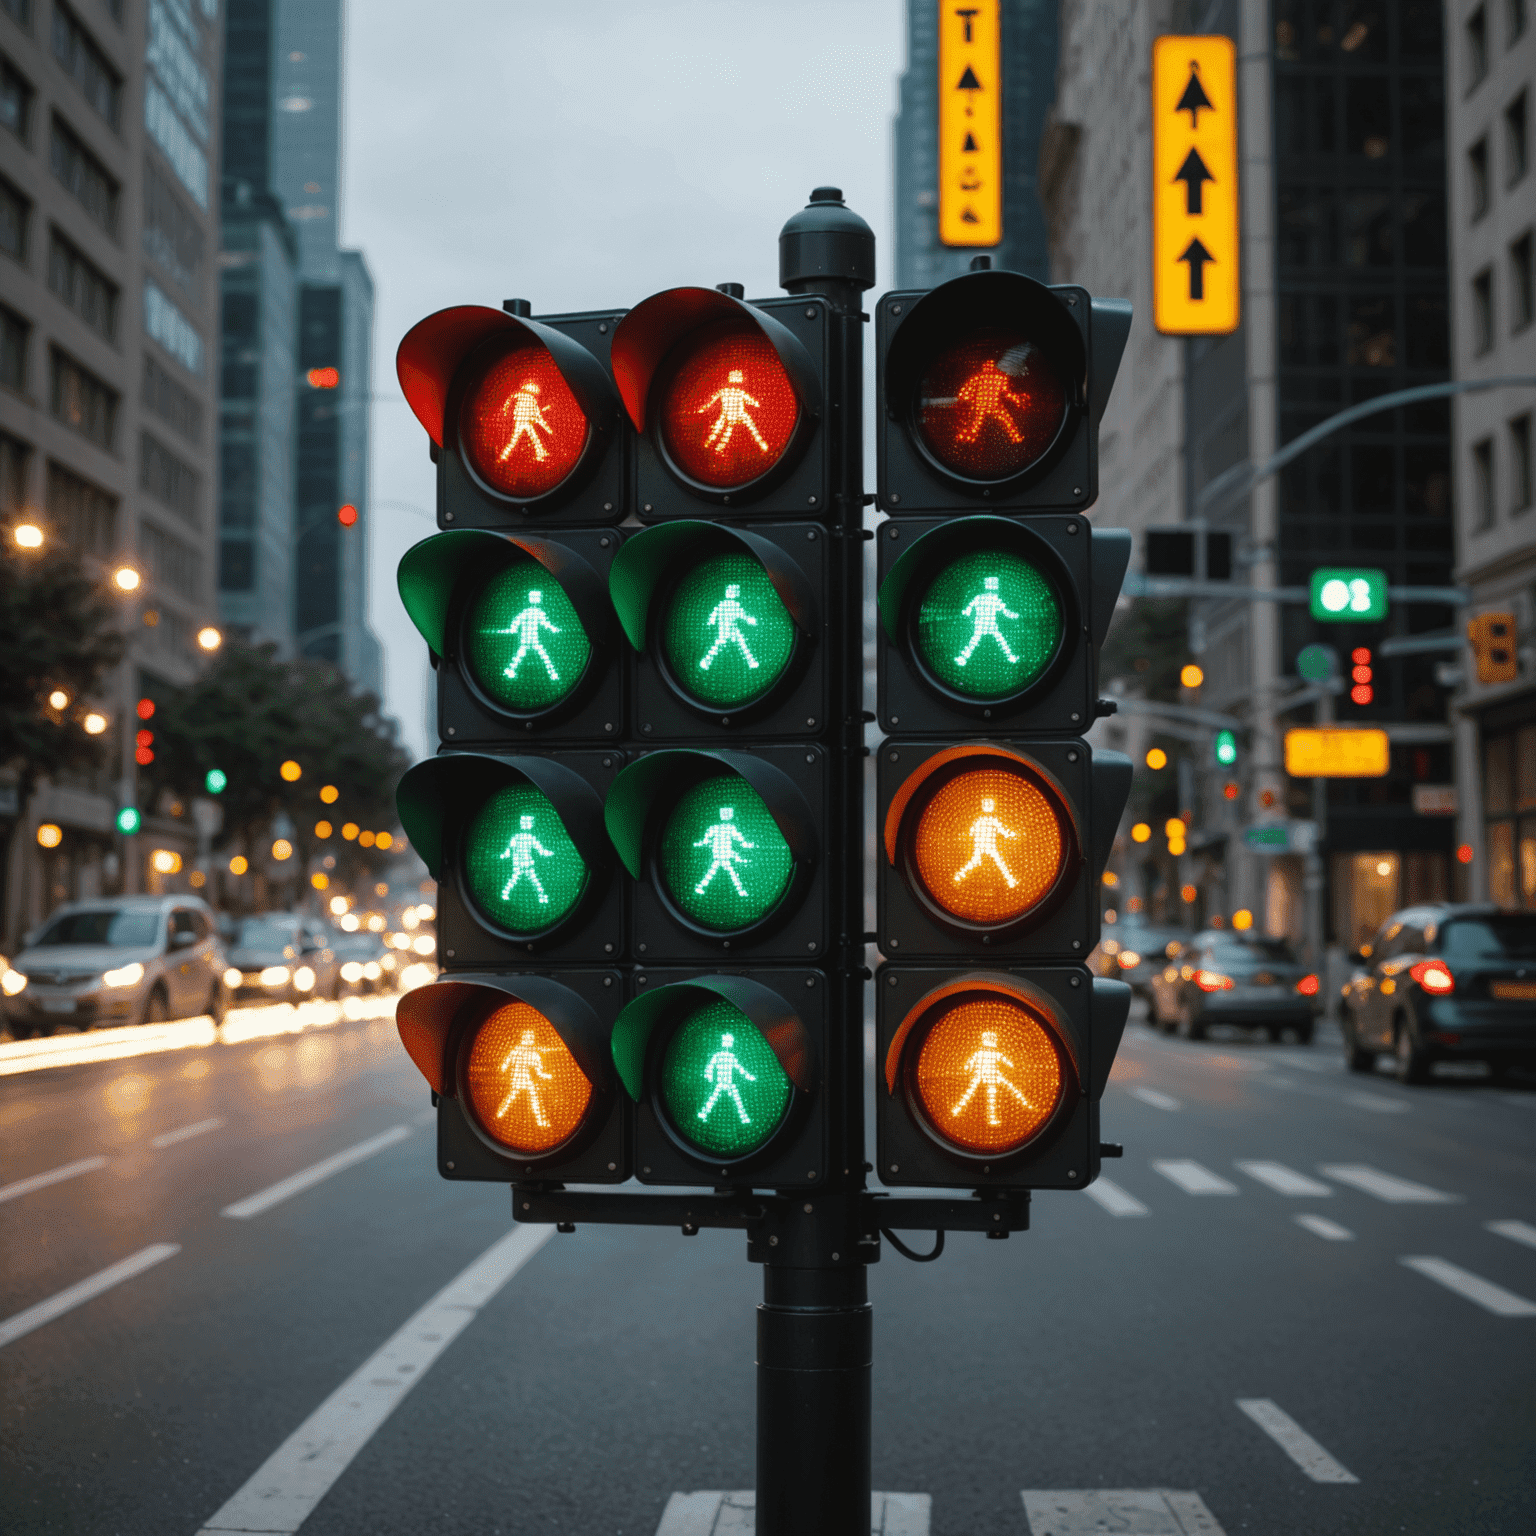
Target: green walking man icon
720, 1072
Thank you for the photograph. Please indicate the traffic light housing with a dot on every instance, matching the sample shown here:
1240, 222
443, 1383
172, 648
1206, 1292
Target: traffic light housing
521, 1071
1494, 647
990, 390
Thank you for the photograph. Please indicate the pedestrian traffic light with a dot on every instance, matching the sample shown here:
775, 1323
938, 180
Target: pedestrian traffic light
1348, 596
522, 1073
728, 1077
990, 392
987, 618
1494, 647
1225, 748
523, 415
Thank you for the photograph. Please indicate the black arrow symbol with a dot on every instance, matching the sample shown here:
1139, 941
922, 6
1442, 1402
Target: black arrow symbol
1197, 256
1194, 97
1193, 174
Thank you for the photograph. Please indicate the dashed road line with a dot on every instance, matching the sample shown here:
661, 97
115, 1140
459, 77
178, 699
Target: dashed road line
53, 1176
307, 1178
1088, 1511
1118, 1202
1194, 1178
82, 1291
1155, 1099
1295, 1441
187, 1132
1283, 1180
1515, 1231
1490, 1297
1329, 1231
1386, 1186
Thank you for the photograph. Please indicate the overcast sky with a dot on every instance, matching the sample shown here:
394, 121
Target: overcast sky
583, 154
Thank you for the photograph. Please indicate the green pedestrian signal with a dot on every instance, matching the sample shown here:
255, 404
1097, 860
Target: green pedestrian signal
524, 643
129, 821
1348, 596
726, 634
989, 624
721, 1084
523, 871
215, 781
1226, 748
723, 860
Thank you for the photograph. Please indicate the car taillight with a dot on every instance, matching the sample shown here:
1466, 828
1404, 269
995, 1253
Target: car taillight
1129, 959
1213, 981
1307, 986
1434, 978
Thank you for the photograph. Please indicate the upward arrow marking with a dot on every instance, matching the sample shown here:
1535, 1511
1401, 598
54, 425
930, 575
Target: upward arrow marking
1197, 256
1194, 97
1194, 174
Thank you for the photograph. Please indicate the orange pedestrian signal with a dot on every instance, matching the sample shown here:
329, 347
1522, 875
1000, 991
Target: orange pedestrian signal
522, 1081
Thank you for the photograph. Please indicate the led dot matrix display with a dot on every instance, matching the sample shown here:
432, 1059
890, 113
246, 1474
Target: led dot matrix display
726, 634
523, 428
723, 1088
523, 1082
523, 870
723, 859
524, 643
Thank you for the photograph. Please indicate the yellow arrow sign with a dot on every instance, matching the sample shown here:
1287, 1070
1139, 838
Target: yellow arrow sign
970, 122
1195, 255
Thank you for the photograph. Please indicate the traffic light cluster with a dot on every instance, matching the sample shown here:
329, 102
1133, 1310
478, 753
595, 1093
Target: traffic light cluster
644, 608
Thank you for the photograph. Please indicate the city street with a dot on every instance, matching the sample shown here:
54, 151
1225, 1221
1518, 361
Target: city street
1304, 1301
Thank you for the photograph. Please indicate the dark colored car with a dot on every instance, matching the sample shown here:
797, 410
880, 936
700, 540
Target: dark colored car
1228, 978
1135, 953
1444, 982
281, 957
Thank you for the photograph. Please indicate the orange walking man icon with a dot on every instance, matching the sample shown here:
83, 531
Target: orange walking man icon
988, 395
528, 418
986, 1066
733, 400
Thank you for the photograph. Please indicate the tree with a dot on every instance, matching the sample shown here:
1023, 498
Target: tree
58, 632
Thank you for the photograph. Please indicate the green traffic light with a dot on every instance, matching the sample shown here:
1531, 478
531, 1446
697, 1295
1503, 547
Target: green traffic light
721, 1085
215, 781
523, 869
1346, 595
1226, 748
726, 634
989, 624
129, 821
722, 857
524, 644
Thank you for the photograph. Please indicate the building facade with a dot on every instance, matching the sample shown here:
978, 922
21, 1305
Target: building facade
1490, 83
109, 133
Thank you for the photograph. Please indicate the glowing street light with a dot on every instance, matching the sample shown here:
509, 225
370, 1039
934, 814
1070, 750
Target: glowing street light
49, 835
126, 579
209, 638
94, 724
28, 535
290, 771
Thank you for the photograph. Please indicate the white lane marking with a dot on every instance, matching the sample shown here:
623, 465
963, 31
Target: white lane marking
1515, 1231
1155, 1099
1283, 1180
275, 1194
73, 1296
53, 1176
1321, 1227
1295, 1441
1089, 1511
283, 1492
1381, 1103
1490, 1297
1384, 1186
187, 1132
1114, 1199
716, 1513
1194, 1178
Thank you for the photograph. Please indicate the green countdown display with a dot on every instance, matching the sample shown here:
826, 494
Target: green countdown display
721, 1085
989, 624
726, 634
522, 867
523, 642
723, 859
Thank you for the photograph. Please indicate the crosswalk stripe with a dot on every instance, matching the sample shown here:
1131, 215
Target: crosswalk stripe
1490, 1297
1295, 1441
307, 1178
82, 1291
1113, 1199
712, 1512
1515, 1231
1088, 1511
53, 1176
186, 1133
1194, 1178
1155, 1099
1329, 1231
285, 1489
1385, 1186
1283, 1180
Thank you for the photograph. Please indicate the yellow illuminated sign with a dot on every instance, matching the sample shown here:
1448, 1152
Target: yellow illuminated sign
970, 122
1195, 280
1314, 753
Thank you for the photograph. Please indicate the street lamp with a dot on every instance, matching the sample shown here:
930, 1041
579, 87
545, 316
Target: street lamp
209, 638
94, 724
58, 699
126, 579
28, 535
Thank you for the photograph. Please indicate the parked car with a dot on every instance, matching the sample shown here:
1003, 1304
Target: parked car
118, 960
1136, 952
1444, 982
283, 957
363, 956
1229, 978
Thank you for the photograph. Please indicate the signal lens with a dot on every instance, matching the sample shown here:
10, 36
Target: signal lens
989, 624
523, 428
989, 846
521, 865
990, 404
988, 1076
723, 859
726, 634
730, 411
523, 1083
721, 1085
524, 643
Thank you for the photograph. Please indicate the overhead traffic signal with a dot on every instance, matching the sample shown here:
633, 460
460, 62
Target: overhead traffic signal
1494, 647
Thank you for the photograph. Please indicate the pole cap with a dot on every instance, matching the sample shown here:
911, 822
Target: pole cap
826, 241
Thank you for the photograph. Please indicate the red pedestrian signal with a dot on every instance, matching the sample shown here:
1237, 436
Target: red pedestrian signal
523, 429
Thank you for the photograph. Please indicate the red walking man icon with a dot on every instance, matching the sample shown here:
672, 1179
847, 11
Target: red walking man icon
988, 395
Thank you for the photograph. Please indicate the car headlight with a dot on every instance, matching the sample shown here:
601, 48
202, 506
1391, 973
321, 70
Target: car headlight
13, 982
352, 972
233, 977
304, 978
275, 976
125, 976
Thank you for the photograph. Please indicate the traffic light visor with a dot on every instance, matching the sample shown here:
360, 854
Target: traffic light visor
521, 866
523, 429
724, 862
721, 1084
524, 642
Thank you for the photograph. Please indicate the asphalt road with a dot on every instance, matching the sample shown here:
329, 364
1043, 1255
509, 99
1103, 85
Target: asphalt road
1250, 1249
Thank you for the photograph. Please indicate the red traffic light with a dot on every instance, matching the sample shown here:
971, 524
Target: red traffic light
145, 709
523, 430
347, 515
322, 378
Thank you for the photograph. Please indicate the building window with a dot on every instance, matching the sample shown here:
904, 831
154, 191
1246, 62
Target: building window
177, 407
1477, 178
15, 457
172, 483
1509, 804
1482, 482
1516, 19
172, 564
1516, 151
1482, 311
81, 286
15, 101
14, 212
1521, 291
165, 323
14, 332
80, 400
1477, 47
171, 235
1520, 497
84, 177
84, 62
85, 514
